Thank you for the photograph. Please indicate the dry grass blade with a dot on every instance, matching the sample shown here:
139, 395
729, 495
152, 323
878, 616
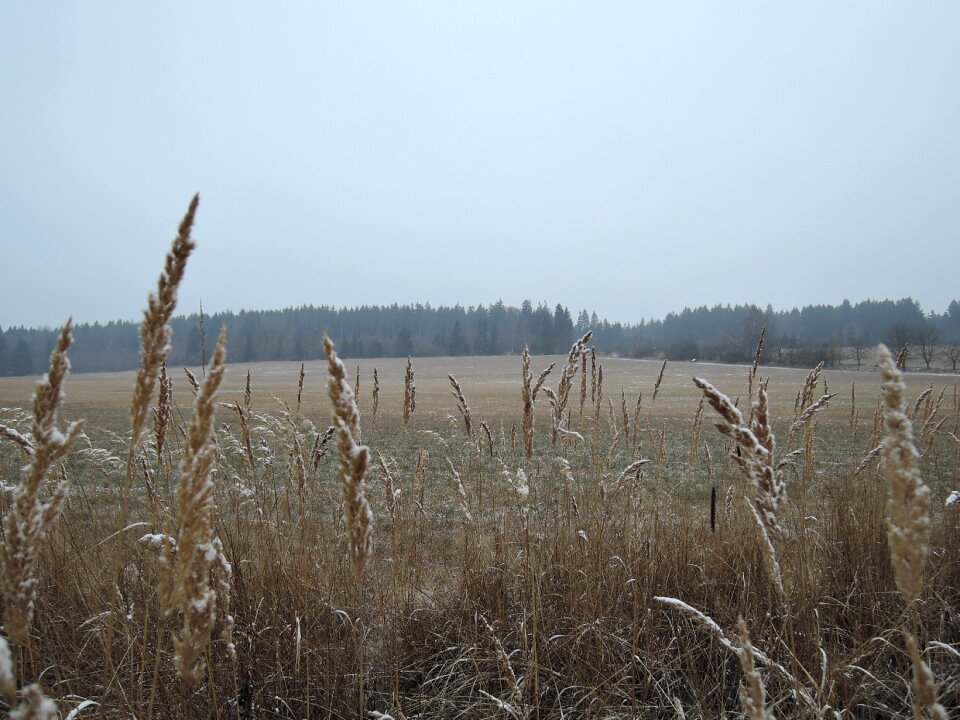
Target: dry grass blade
565, 384
155, 333
631, 469
197, 548
770, 558
753, 696
192, 379
30, 517
17, 437
161, 413
908, 508
756, 362
461, 493
462, 406
353, 458
409, 394
870, 456
516, 693
300, 379
754, 451
924, 688
656, 386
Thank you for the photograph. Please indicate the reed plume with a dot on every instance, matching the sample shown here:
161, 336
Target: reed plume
527, 395
697, 424
390, 491
754, 450
192, 379
30, 518
198, 551
908, 507
565, 384
300, 379
155, 333
901, 363
409, 394
805, 395
35, 705
244, 412
656, 386
756, 362
486, 431
462, 406
924, 688
353, 457
583, 384
320, 445
593, 375
161, 413
753, 696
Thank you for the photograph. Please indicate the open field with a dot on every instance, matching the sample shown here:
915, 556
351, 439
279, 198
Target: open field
492, 385
530, 594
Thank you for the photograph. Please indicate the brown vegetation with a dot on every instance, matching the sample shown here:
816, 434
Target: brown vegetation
573, 574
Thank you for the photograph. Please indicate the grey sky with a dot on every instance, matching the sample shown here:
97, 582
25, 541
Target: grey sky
631, 158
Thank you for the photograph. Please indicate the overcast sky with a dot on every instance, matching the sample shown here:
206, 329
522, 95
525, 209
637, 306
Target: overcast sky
630, 158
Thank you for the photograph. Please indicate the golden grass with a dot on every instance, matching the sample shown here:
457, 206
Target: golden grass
557, 576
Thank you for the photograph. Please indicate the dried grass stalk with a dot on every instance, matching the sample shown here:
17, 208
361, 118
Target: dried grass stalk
753, 696
462, 494
35, 705
924, 688
565, 384
697, 424
30, 517
409, 394
462, 406
197, 548
515, 706
770, 558
656, 386
24, 443
593, 375
376, 394
161, 413
528, 399
155, 333
244, 412
754, 453
320, 445
486, 431
583, 384
353, 458
300, 379
390, 491
908, 507
756, 362
870, 456
192, 379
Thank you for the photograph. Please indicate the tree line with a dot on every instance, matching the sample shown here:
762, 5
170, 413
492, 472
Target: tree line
805, 336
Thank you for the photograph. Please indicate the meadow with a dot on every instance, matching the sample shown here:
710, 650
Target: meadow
265, 543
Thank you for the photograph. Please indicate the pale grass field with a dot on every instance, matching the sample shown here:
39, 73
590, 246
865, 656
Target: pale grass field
491, 385
542, 604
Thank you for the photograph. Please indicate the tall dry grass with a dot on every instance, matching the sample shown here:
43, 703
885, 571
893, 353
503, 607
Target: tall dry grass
506, 578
